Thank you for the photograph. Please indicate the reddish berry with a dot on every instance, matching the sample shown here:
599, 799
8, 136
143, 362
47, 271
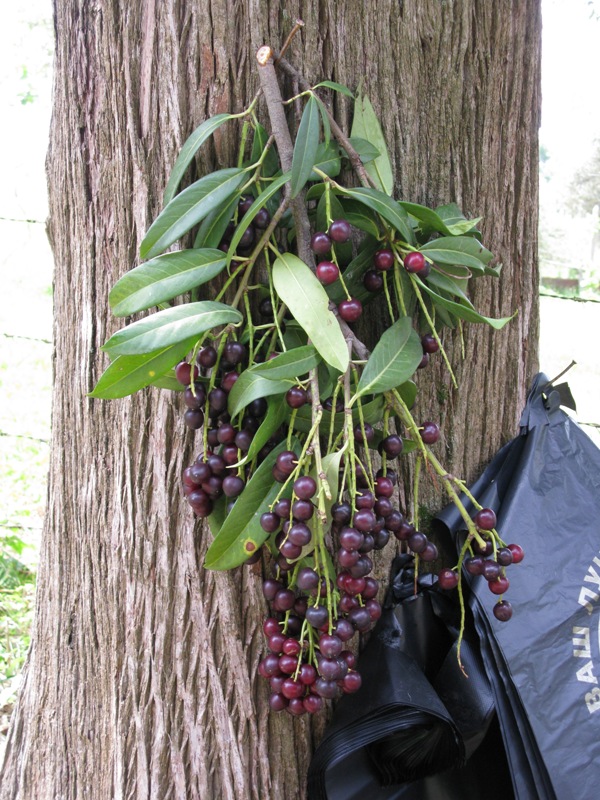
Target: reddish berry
320, 243
383, 260
350, 310
517, 553
414, 262
485, 519
327, 272
447, 578
430, 432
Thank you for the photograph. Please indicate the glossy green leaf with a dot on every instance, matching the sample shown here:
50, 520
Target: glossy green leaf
365, 125
455, 220
386, 208
250, 386
429, 220
189, 150
218, 515
214, 225
452, 285
127, 374
366, 150
462, 310
308, 302
164, 278
337, 87
241, 534
464, 250
170, 327
395, 358
289, 365
361, 216
188, 208
305, 148
327, 160
273, 187
408, 392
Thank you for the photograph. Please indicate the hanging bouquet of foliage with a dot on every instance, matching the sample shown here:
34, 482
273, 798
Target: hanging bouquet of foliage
300, 425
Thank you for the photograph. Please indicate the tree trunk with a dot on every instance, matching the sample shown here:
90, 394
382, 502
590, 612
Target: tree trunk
141, 679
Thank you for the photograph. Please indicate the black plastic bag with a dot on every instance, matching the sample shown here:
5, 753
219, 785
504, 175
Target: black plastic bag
407, 731
544, 664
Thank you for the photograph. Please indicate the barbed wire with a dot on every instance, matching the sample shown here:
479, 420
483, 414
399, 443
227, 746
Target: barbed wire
28, 338
24, 436
28, 221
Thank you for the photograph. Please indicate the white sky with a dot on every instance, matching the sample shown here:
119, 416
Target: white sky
570, 83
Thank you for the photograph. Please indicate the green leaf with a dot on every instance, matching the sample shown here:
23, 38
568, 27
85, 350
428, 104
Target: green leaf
170, 327
395, 358
215, 224
430, 221
386, 208
241, 533
218, 515
250, 386
273, 419
163, 278
324, 120
327, 160
270, 165
451, 285
189, 150
289, 365
188, 208
462, 310
308, 302
127, 374
365, 125
360, 216
365, 149
260, 201
455, 220
305, 149
463, 250
408, 392
354, 274
337, 87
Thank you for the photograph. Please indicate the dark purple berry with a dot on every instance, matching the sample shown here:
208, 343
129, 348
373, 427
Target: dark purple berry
350, 310
503, 610
429, 343
320, 243
485, 519
207, 357
340, 231
447, 578
372, 281
430, 432
383, 260
305, 487
296, 397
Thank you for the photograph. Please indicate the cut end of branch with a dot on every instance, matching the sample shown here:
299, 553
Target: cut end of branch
264, 55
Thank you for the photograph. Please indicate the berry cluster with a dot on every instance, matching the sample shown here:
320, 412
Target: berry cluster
215, 473
490, 560
314, 615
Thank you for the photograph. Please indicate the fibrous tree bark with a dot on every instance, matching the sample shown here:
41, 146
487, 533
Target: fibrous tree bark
141, 679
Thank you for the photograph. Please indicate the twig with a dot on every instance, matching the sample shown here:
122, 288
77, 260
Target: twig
285, 147
339, 134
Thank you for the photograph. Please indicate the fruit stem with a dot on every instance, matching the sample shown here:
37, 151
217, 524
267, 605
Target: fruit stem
431, 323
